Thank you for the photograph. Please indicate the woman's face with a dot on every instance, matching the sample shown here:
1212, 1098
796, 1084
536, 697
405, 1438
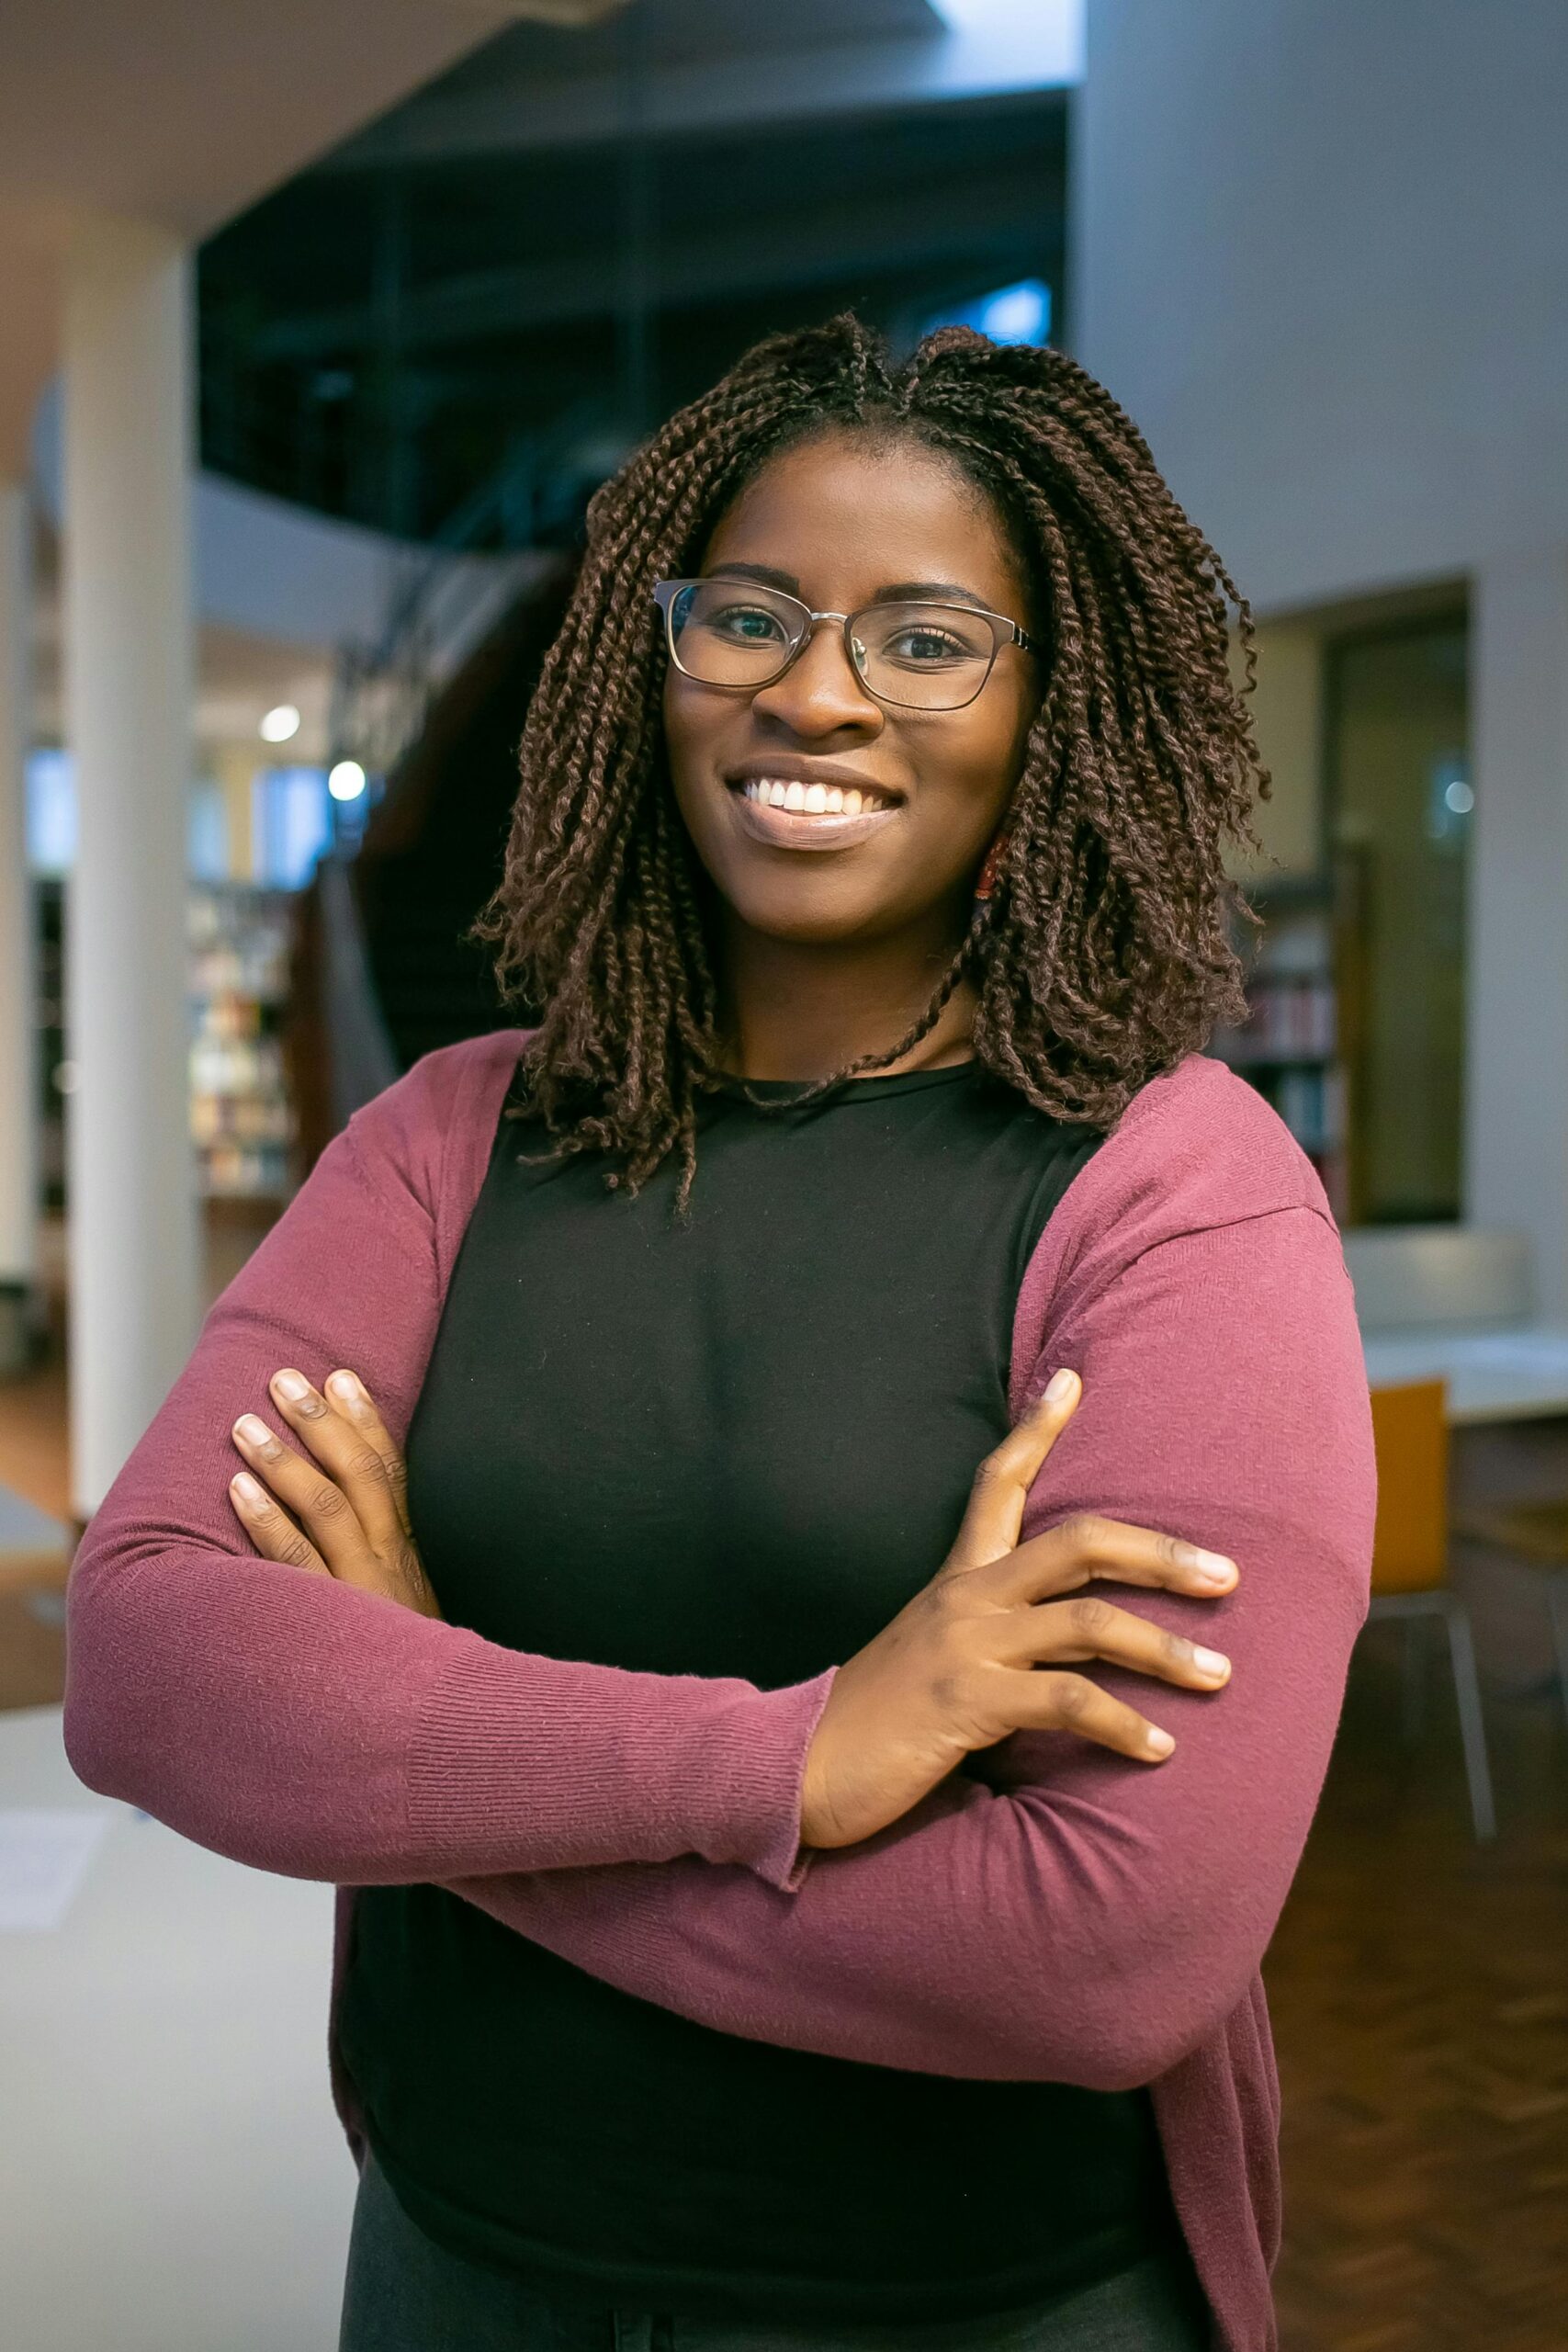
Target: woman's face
842, 522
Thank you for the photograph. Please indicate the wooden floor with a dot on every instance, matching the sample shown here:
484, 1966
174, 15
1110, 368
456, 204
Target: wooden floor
1419, 1984
1419, 1989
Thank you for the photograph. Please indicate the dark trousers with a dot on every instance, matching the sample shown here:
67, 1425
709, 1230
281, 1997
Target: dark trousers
404, 2293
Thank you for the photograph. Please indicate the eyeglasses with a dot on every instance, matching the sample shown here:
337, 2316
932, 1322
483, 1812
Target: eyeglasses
924, 656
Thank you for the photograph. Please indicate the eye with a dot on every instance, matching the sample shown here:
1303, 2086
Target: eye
923, 643
745, 623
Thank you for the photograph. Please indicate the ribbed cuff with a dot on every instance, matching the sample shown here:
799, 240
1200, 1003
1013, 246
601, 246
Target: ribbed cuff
522, 1763
755, 1756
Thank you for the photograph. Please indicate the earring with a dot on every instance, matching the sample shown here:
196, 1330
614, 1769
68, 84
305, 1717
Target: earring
987, 884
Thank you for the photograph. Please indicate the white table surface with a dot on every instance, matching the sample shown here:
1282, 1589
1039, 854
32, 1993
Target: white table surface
1519, 1372
172, 2176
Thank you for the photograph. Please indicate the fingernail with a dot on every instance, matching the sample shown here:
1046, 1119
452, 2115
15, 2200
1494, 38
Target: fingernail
1060, 1386
1212, 1567
247, 1490
292, 1385
346, 1388
252, 1430
1210, 1662
1159, 1742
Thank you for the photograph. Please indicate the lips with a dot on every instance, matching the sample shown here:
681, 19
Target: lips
818, 809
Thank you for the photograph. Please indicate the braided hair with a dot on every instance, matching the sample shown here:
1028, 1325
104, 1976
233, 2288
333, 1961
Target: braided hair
1102, 954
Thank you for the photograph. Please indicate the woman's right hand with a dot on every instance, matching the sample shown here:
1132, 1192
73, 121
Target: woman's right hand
977, 1653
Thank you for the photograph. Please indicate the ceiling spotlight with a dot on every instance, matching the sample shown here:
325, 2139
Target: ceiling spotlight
280, 723
346, 780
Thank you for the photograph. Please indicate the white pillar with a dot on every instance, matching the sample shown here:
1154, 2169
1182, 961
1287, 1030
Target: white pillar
1516, 1066
19, 1076
129, 671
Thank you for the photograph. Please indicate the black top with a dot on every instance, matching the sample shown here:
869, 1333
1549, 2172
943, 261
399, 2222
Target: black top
735, 1447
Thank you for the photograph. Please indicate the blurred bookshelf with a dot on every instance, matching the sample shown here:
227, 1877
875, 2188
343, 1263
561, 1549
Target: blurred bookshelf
242, 1118
1291, 1045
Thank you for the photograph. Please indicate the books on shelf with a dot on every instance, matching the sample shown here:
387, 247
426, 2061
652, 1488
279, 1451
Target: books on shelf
1293, 1019
242, 1118
1289, 1046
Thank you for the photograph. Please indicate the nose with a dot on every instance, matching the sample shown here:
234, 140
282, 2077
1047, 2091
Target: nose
820, 693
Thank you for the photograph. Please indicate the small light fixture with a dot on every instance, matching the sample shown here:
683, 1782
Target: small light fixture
346, 780
280, 723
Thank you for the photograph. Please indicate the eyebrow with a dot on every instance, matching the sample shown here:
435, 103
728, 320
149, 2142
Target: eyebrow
902, 591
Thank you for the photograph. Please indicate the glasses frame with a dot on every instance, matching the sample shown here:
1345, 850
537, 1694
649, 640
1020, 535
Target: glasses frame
1004, 631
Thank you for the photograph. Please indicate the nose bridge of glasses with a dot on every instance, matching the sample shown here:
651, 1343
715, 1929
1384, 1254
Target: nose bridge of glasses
810, 623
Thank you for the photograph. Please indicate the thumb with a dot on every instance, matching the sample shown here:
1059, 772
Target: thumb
994, 1515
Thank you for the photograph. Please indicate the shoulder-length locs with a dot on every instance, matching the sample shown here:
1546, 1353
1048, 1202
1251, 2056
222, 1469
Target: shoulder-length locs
1104, 954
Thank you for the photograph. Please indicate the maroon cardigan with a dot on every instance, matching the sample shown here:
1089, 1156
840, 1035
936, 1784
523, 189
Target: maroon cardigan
1071, 1917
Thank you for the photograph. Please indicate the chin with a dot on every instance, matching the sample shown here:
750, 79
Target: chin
809, 912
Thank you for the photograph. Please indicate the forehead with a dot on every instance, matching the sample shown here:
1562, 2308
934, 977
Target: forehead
848, 516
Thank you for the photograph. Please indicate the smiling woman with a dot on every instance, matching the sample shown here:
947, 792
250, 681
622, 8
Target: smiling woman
1002, 489
775, 1920
919, 702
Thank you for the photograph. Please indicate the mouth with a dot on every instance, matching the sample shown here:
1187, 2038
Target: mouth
803, 811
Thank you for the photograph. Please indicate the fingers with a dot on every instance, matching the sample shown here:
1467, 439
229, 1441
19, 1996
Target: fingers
1047, 1702
1065, 1632
324, 1508
995, 1512
343, 1444
349, 1394
1086, 1546
270, 1528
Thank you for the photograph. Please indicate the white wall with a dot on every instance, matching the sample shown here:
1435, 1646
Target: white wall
1323, 259
1516, 1060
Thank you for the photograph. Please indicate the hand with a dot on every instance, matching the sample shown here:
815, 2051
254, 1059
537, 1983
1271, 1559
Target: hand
344, 1513
975, 1656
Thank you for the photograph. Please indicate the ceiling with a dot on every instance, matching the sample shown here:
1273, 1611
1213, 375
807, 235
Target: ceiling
179, 113
552, 243
445, 225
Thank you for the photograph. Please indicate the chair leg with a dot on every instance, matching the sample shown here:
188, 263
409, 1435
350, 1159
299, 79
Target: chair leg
1472, 1731
1557, 1601
1413, 1679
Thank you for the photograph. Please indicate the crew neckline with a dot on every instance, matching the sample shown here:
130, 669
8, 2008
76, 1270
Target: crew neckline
785, 1089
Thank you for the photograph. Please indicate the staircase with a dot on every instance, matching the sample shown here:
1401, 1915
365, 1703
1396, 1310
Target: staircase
384, 969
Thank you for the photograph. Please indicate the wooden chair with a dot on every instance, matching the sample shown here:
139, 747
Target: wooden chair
1410, 1560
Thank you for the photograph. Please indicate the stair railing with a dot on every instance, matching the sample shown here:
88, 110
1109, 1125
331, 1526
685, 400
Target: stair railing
451, 591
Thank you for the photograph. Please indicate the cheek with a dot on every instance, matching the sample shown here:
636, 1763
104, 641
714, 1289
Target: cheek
979, 766
676, 720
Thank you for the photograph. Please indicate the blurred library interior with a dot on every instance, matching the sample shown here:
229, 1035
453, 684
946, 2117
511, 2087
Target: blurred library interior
316, 349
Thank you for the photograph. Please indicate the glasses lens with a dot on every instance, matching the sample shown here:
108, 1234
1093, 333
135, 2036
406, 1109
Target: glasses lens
927, 657
729, 634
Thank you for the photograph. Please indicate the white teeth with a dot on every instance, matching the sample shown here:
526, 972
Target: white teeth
812, 799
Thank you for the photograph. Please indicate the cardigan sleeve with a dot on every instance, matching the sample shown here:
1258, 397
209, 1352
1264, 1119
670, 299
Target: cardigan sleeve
304, 1727
1059, 1913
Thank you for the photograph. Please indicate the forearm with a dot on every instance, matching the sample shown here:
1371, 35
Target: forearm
295, 1723
880, 1957
298, 1726
1033, 1934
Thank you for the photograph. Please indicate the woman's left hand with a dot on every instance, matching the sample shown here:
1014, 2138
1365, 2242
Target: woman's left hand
344, 1513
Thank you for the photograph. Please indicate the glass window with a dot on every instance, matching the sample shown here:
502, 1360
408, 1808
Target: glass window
1400, 803
292, 825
